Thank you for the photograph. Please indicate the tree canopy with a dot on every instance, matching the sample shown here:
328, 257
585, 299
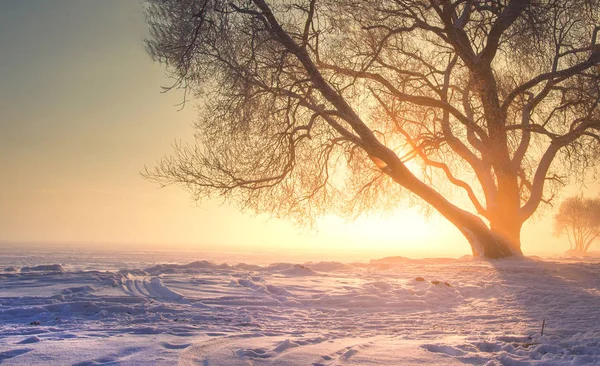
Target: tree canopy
481, 109
579, 218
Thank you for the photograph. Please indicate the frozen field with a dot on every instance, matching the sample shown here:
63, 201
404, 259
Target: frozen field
86, 309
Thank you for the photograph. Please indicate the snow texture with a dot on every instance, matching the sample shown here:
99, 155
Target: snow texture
390, 311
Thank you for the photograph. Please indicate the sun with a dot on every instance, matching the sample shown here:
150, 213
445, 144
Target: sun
404, 231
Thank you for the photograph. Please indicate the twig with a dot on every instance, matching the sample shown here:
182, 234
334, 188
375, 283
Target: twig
543, 325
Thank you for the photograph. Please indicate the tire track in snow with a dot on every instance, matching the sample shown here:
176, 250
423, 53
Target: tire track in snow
148, 287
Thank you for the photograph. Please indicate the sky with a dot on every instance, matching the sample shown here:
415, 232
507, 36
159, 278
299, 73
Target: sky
81, 114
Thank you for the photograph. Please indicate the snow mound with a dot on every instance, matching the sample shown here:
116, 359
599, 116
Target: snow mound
44, 268
277, 290
274, 267
30, 340
248, 267
580, 349
291, 270
298, 270
285, 345
185, 268
158, 289
148, 287
577, 254
274, 290
380, 285
389, 260
328, 266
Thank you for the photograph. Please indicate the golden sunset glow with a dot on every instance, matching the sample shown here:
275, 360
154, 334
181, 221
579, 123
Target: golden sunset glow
79, 124
299, 182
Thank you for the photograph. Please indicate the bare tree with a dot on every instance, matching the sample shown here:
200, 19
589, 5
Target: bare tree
481, 109
579, 218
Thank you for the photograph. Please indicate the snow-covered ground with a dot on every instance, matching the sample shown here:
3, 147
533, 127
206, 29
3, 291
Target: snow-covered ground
87, 309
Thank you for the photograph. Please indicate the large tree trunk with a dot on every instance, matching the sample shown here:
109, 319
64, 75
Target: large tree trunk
489, 243
506, 224
510, 232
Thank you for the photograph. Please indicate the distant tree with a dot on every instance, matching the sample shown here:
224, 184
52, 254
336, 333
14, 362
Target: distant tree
579, 218
479, 108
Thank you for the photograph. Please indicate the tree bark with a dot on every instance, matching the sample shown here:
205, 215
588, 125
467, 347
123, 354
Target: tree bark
489, 244
509, 229
504, 215
500, 241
